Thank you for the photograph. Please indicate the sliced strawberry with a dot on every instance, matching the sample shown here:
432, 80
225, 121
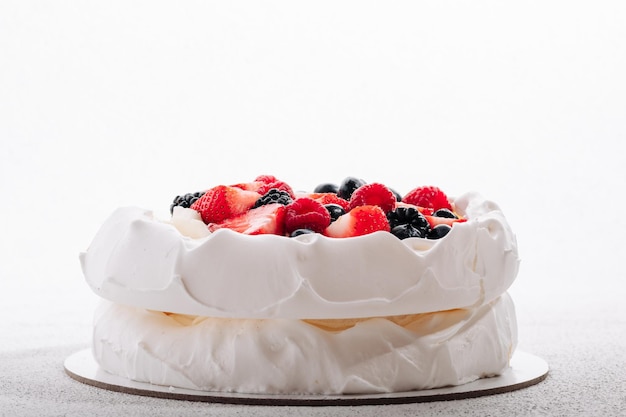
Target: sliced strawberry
328, 198
267, 219
249, 186
429, 197
359, 221
306, 213
434, 221
373, 194
423, 210
223, 202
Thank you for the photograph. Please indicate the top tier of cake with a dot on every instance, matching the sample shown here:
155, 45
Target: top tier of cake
136, 259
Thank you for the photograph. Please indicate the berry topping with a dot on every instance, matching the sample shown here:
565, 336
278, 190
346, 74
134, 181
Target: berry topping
274, 196
359, 221
408, 216
347, 187
438, 231
428, 197
354, 208
267, 219
335, 211
373, 194
326, 188
185, 200
306, 213
223, 202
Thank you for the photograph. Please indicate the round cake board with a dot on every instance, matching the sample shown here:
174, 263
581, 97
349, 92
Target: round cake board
526, 370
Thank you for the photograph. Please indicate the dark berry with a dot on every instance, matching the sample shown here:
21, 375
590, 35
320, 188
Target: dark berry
274, 195
326, 188
445, 213
408, 215
347, 187
335, 211
185, 200
438, 231
299, 232
404, 231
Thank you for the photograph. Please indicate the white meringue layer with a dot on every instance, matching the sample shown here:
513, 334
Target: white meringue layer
291, 356
138, 260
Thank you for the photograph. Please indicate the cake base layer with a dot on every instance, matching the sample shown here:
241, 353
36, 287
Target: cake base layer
280, 356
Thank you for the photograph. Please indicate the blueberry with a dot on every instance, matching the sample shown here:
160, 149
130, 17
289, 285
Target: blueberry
326, 188
335, 211
299, 232
405, 231
438, 231
347, 187
443, 212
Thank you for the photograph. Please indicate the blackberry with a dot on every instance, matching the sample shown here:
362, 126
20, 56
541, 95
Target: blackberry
274, 195
335, 211
410, 216
185, 200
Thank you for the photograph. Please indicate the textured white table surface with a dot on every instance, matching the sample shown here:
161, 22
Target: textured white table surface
131, 103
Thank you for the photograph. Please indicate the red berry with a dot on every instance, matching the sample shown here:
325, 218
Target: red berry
373, 194
266, 179
434, 221
329, 198
267, 219
359, 221
429, 197
223, 202
306, 213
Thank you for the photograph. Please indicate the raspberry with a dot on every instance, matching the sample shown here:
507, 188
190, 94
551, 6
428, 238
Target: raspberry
373, 194
429, 197
306, 213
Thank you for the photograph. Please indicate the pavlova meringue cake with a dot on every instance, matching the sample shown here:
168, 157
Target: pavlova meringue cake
349, 289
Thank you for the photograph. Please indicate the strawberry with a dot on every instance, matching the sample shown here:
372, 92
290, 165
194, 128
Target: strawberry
434, 220
359, 221
249, 186
267, 219
373, 194
429, 197
328, 198
422, 210
223, 202
306, 213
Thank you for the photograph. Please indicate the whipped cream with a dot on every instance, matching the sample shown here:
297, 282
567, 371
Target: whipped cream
136, 259
292, 356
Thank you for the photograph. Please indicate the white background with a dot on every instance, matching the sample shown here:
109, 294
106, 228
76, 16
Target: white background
104, 104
